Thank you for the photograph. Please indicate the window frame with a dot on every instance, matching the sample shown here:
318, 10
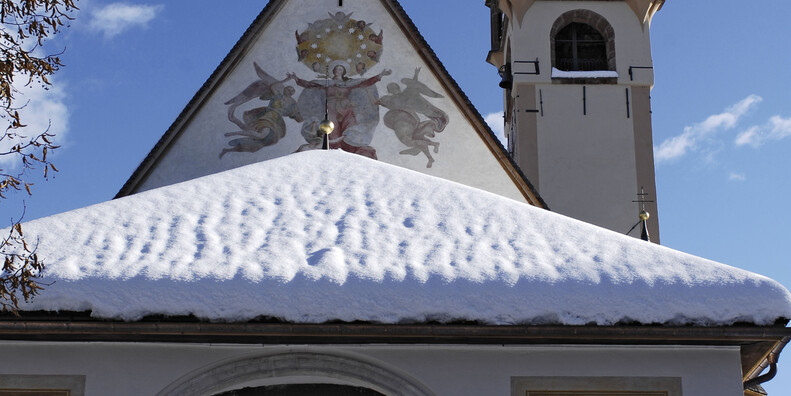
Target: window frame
55, 385
595, 21
576, 44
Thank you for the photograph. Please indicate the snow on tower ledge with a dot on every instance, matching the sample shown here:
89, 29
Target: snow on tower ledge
321, 236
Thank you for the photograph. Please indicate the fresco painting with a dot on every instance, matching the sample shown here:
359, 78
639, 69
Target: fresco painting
349, 103
403, 116
341, 53
261, 126
339, 38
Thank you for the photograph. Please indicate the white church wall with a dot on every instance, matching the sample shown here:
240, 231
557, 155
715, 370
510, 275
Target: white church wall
455, 147
587, 167
146, 369
587, 163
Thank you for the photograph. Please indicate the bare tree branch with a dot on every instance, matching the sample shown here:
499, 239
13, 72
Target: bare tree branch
25, 25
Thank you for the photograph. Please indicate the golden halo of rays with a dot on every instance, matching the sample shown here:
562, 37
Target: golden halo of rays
327, 40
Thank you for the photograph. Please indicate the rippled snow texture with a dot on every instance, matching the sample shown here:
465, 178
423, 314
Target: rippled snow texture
323, 235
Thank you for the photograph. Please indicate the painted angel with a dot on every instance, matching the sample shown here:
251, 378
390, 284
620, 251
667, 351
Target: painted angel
340, 17
403, 116
261, 126
377, 38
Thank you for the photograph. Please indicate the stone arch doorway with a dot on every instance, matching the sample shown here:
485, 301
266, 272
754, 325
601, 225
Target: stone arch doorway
346, 370
303, 389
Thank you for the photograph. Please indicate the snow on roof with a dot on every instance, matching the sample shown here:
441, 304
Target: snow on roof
321, 236
557, 73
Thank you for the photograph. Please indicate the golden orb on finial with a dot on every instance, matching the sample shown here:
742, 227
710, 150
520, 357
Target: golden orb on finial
644, 215
327, 127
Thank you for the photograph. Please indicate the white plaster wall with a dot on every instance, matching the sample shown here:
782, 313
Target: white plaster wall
531, 39
462, 155
145, 369
586, 163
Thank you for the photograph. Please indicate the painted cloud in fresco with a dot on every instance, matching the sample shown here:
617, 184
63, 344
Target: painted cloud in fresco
339, 38
340, 51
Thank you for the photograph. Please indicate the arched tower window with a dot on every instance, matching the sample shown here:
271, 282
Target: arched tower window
580, 47
582, 40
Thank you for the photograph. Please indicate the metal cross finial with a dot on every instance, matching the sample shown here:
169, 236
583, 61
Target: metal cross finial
641, 198
326, 126
327, 93
644, 215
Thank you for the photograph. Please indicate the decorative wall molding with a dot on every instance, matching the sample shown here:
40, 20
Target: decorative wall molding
355, 370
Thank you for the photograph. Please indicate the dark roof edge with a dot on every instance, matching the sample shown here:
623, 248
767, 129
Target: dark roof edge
142, 170
492, 140
356, 333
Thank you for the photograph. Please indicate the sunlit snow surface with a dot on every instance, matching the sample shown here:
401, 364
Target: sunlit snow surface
323, 236
556, 73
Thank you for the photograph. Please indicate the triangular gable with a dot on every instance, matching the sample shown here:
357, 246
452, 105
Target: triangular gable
393, 100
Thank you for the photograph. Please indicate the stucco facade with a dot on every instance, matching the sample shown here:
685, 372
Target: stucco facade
154, 369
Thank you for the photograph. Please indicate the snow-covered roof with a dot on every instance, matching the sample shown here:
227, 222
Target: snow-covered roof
328, 235
557, 73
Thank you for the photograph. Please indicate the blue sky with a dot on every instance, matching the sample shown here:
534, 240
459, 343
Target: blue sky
722, 123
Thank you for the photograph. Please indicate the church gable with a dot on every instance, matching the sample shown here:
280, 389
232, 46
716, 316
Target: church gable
364, 66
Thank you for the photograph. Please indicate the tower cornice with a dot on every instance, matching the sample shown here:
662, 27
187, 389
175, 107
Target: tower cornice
643, 9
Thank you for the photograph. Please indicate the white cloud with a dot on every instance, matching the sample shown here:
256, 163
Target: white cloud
43, 111
737, 176
749, 136
115, 18
781, 128
695, 134
496, 122
777, 128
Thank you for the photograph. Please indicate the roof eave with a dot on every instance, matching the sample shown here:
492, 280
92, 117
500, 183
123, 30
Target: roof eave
755, 342
67, 328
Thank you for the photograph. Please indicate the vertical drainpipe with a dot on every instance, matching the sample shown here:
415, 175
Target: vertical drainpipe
770, 361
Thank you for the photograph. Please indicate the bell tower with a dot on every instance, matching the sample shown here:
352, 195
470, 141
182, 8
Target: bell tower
577, 78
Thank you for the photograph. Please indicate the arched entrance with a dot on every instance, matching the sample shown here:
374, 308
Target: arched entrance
349, 372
